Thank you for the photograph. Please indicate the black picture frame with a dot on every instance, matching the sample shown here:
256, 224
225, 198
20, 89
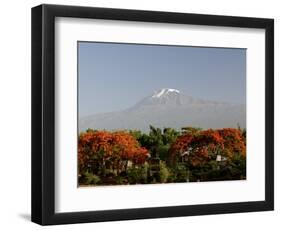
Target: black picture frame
43, 114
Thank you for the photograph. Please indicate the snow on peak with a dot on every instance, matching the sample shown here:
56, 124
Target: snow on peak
165, 91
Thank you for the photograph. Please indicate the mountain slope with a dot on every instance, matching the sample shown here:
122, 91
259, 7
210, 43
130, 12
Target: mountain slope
169, 108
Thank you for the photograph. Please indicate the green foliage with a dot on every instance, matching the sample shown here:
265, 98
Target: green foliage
91, 179
120, 180
136, 133
137, 175
163, 172
169, 136
163, 152
181, 173
231, 169
90, 130
191, 130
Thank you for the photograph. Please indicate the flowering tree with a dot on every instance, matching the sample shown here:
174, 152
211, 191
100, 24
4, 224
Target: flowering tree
179, 147
100, 150
234, 142
197, 146
211, 154
191, 155
201, 145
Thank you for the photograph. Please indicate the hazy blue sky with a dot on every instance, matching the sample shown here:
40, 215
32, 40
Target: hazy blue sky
115, 76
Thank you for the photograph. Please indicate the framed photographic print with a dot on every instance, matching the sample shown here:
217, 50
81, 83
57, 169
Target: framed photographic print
142, 114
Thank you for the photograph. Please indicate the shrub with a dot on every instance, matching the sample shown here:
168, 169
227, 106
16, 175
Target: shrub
121, 180
163, 152
91, 179
181, 173
137, 175
163, 172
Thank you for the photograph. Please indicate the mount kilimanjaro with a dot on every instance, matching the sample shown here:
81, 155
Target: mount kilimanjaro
169, 108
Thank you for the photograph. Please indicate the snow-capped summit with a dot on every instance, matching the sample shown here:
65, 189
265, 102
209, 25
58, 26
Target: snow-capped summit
169, 108
165, 92
170, 97
162, 97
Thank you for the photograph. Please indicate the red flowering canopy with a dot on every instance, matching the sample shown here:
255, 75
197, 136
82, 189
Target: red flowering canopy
113, 148
233, 141
201, 144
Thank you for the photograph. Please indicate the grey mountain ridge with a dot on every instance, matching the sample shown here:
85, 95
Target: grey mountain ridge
169, 108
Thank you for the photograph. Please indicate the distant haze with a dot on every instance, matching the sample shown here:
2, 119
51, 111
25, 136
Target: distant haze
169, 108
119, 79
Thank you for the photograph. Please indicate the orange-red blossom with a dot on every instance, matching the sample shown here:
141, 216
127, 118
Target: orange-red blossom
202, 143
114, 146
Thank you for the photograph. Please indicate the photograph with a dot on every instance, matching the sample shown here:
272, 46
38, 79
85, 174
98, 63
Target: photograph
170, 112
154, 114
142, 114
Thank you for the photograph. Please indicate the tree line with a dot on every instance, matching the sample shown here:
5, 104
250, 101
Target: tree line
161, 156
